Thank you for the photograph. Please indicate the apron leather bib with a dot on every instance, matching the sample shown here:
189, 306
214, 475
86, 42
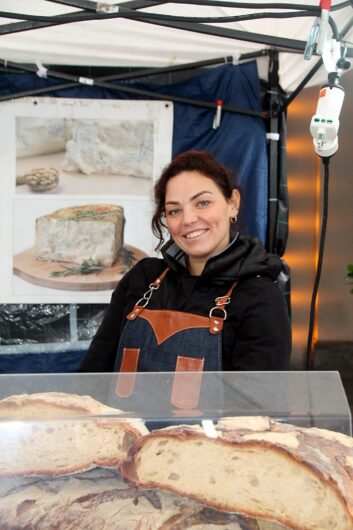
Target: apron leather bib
170, 341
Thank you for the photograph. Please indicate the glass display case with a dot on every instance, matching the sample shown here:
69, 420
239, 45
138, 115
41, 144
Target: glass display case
171, 451
307, 399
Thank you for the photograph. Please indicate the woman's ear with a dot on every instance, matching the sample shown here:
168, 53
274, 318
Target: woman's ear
235, 202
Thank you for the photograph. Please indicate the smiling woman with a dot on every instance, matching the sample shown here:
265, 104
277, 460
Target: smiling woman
211, 302
198, 217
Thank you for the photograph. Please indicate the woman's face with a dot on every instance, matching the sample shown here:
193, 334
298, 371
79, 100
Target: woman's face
198, 216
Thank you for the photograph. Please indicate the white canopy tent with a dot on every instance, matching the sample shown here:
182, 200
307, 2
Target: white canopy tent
126, 38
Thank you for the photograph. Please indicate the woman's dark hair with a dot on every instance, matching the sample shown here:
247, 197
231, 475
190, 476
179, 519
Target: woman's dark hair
193, 160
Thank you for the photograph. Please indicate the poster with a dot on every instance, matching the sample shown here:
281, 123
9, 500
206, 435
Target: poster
77, 194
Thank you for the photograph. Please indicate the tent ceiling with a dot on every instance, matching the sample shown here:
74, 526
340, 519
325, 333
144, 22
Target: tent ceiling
117, 42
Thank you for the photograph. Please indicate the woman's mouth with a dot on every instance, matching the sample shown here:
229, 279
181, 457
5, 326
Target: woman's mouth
195, 233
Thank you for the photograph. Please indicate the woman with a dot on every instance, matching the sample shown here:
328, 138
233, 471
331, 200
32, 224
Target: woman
211, 302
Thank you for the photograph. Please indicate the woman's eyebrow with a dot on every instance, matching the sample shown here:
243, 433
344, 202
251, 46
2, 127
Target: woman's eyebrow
191, 198
198, 194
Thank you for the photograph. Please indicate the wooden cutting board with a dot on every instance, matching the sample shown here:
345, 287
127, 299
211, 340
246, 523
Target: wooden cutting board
40, 272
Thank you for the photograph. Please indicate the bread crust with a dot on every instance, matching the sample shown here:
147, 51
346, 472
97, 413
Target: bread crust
26, 405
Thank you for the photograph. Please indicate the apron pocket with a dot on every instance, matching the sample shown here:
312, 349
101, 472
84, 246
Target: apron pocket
126, 381
187, 386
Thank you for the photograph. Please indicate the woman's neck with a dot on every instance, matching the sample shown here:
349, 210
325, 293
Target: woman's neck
196, 266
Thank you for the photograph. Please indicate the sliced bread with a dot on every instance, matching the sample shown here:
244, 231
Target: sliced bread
54, 434
301, 478
100, 500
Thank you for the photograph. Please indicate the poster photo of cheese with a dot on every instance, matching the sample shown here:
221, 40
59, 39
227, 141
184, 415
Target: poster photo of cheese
77, 249
76, 201
75, 156
73, 147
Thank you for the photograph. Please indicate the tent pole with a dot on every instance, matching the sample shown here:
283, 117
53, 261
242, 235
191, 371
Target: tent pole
206, 29
302, 84
136, 74
273, 149
128, 89
27, 25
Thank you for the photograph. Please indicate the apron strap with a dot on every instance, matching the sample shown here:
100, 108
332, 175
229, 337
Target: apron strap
159, 280
216, 322
142, 303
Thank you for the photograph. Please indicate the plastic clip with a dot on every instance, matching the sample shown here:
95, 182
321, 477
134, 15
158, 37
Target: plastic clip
42, 71
86, 81
218, 114
103, 7
273, 136
312, 39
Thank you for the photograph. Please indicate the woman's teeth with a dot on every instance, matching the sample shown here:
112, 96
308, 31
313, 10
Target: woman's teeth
196, 233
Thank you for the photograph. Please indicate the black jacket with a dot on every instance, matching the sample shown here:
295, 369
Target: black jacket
256, 333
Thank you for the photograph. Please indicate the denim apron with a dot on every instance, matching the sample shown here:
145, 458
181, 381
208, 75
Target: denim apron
170, 341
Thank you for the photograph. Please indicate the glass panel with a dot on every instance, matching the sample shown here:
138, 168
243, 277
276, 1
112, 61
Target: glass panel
302, 398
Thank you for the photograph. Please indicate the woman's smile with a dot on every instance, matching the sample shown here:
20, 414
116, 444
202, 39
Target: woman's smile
196, 233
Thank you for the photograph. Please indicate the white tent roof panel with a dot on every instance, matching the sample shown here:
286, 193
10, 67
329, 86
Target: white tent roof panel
123, 42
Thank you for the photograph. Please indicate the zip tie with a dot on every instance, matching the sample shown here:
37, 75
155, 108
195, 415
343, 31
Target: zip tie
236, 58
42, 71
102, 7
218, 114
86, 81
273, 136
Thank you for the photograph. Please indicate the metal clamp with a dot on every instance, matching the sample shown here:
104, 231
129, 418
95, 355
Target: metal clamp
210, 314
222, 300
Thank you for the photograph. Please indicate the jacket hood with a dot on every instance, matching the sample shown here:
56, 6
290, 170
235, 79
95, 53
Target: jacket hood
244, 257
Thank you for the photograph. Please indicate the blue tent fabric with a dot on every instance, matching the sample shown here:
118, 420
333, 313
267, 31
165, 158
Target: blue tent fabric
239, 142
43, 362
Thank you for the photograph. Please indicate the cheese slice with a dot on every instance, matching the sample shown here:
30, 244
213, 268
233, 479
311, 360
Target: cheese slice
90, 234
114, 147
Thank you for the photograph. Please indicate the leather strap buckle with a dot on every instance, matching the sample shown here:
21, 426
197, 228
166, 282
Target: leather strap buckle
222, 300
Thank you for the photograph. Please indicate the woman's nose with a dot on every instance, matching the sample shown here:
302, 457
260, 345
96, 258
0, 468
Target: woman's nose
189, 216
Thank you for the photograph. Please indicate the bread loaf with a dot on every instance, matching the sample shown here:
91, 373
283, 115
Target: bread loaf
99, 500
53, 405
41, 436
302, 478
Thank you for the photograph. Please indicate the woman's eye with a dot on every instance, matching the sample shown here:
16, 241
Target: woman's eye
203, 203
173, 213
